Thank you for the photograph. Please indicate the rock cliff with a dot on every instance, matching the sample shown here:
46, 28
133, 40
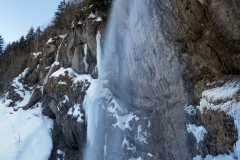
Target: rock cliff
166, 85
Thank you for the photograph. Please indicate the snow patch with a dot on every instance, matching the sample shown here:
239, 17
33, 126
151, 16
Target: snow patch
129, 147
75, 78
190, 110
219, 157
197, 131
90, 6
91, 16
150, 155
223, 99
50, 41
36, 54
149, 123
62, 36
61, 153
124, 119
62, 71
220, 93
54, 38
139, 158
99, 19
22, 90
76, 112
141, 135
62, 83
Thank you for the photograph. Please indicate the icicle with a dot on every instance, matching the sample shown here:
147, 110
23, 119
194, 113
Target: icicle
85, 58
99, 52
56, 60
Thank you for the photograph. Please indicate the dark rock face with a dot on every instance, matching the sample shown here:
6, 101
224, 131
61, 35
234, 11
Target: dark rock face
222, 134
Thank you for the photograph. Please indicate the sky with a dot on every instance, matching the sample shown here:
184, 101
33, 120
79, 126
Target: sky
17, 16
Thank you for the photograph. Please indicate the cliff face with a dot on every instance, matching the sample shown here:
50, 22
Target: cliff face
161, 82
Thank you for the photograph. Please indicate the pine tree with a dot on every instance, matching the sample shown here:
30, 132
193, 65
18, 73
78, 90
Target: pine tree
38, 34
31, 35
58, 19
22, 43
101, 4
30, 38
1, 44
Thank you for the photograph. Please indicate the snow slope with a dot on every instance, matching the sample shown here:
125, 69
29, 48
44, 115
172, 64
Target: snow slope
24, 134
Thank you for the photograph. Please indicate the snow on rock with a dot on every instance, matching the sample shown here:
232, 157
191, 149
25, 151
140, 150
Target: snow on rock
128, 146
36, 54
75, 111
61, 103
91, 15
220, 93
73, 76
190, 110
123, 121
61, 153
90, 6
66, 99
149, 123
23, 91
122, 116
141, 135
219, 157
79, 22
150, 155
139, 158
62, 71
62, 36
197, 131
73, 23
63, 83
50, 41
99, 19
223, 99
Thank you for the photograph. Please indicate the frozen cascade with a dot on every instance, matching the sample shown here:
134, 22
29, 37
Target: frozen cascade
85, 58
91, 112
90, 103
56, 60
106, 114
99, 54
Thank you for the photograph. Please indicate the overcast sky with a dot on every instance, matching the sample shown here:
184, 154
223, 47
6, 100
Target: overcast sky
17, 16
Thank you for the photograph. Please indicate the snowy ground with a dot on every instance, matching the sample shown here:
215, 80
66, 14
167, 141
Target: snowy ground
24, 135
